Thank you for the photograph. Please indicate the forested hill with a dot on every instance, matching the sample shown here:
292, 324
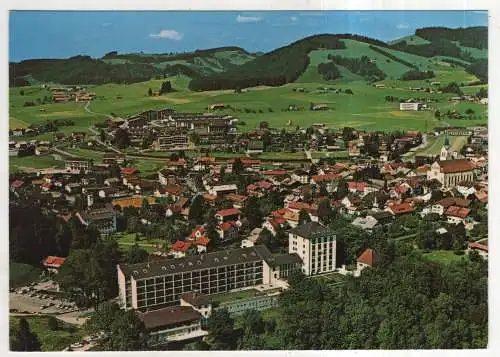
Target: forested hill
232, 67
476, 37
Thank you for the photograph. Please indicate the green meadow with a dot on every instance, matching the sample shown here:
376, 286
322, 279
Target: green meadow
365, 109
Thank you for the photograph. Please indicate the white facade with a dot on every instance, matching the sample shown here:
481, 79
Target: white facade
318, 254
409, 106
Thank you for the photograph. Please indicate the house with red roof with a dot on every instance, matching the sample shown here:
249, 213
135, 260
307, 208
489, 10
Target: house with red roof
228, 230
357, 187
229, 214
237, 200
298, 206
480, 247
248, 164
129, 171
176, 164
274, 225
365, 260
398, 209
456, 214
181, 249
53, 263
16, 185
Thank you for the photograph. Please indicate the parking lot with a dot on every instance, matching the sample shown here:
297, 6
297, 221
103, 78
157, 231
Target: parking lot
35, 300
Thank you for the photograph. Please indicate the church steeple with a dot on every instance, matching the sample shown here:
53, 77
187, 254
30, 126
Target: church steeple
447, 142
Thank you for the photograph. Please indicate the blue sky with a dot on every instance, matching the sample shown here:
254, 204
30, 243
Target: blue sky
61, 34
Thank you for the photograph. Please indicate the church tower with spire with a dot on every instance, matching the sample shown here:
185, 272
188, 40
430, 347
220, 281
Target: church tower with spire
446, 153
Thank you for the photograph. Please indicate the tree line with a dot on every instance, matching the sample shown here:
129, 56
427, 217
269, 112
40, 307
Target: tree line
424, 305
476, 37
278, 67
415, 74
362, 66
392, 57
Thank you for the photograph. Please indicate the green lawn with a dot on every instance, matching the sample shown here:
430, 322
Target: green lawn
436, 143
366, 109
127, 240
51, 340
444, 256
33, 162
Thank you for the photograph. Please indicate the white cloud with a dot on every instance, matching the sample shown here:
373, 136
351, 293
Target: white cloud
107, 24
167, 34
293, 18
247, 19
402, 26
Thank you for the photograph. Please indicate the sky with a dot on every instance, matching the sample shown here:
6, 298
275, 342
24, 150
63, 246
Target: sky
62, 34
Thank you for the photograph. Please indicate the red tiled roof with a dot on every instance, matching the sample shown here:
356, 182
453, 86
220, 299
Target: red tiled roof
208, 197
367, 257
447, 202
475, 245
227, 225
200, 229
265, 185
453, 166
53, 262
16, 184
358, 186
181, 246
327, 177
245, 161
274, 172
173, 189
299, 205
251, 187
128, 170
228, 212
456, 211
236, 198
401, 208
203, 240
423, 168
401, 189
280, 212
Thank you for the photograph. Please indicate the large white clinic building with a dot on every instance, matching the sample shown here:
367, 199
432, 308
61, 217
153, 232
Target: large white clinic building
316, 245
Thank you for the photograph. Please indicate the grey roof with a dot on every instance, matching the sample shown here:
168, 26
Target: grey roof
311, 230
168, 316
195, 298
280, 259
196, 262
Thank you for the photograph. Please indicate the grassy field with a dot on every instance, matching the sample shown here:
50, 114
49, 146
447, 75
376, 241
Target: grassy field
366, 109
33, 162
436, 143
51, 340
125, 241
411, 40
444, 256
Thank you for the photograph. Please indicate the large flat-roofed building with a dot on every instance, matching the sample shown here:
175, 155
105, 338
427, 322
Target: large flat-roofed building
410, 106
316, 246
172, 142
104, 219
77, 164
171, 324
162, 283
